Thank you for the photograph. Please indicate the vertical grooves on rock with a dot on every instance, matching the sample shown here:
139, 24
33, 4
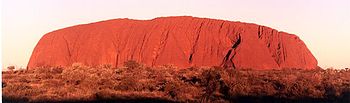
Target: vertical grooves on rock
117, 54
74, 46
228, 54
68, 49
279, 55
237, 42
178, 46
231, 61
284, 54
146, 40
274, 51
283, 49
50, 47
117, 60
260, 31
142, 44
193, 49
190, 58
303, 55
131, 37
117, 47
221, 25
161, 46
268, 39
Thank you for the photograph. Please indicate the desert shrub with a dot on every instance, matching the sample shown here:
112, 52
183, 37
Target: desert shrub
103, 94
44, 98
55, 83
22, 91
44, 76
77, 65
127, 84
19, 71
23, 79
318, 68
56, 70
210, 79
214, 84
13, 88
132, 64
11, 68
106, 66
74, 75
105, 83
47, 70
172, 89
3, 84
33, 91
40, 70
346, 95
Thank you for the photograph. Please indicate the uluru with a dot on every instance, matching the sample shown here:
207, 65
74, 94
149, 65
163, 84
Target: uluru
182, 41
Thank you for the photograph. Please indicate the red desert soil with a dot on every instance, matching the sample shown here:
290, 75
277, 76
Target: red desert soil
135, 83
181, 41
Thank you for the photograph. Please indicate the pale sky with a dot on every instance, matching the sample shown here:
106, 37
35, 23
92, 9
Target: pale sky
324, 25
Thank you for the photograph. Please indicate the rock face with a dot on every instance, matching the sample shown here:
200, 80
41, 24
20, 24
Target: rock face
181, 41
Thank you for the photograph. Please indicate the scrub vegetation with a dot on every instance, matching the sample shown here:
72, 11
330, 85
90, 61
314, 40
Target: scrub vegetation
137, 83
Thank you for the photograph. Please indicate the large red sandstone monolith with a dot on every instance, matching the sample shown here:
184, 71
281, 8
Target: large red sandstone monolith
180, 41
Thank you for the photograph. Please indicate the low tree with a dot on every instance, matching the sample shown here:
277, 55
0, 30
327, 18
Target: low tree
11, 68
132, 64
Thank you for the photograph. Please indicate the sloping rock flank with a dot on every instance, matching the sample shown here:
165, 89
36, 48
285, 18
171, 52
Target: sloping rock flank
181, 41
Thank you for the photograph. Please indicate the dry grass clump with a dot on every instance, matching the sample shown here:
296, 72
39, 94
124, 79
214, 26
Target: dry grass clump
137, 83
